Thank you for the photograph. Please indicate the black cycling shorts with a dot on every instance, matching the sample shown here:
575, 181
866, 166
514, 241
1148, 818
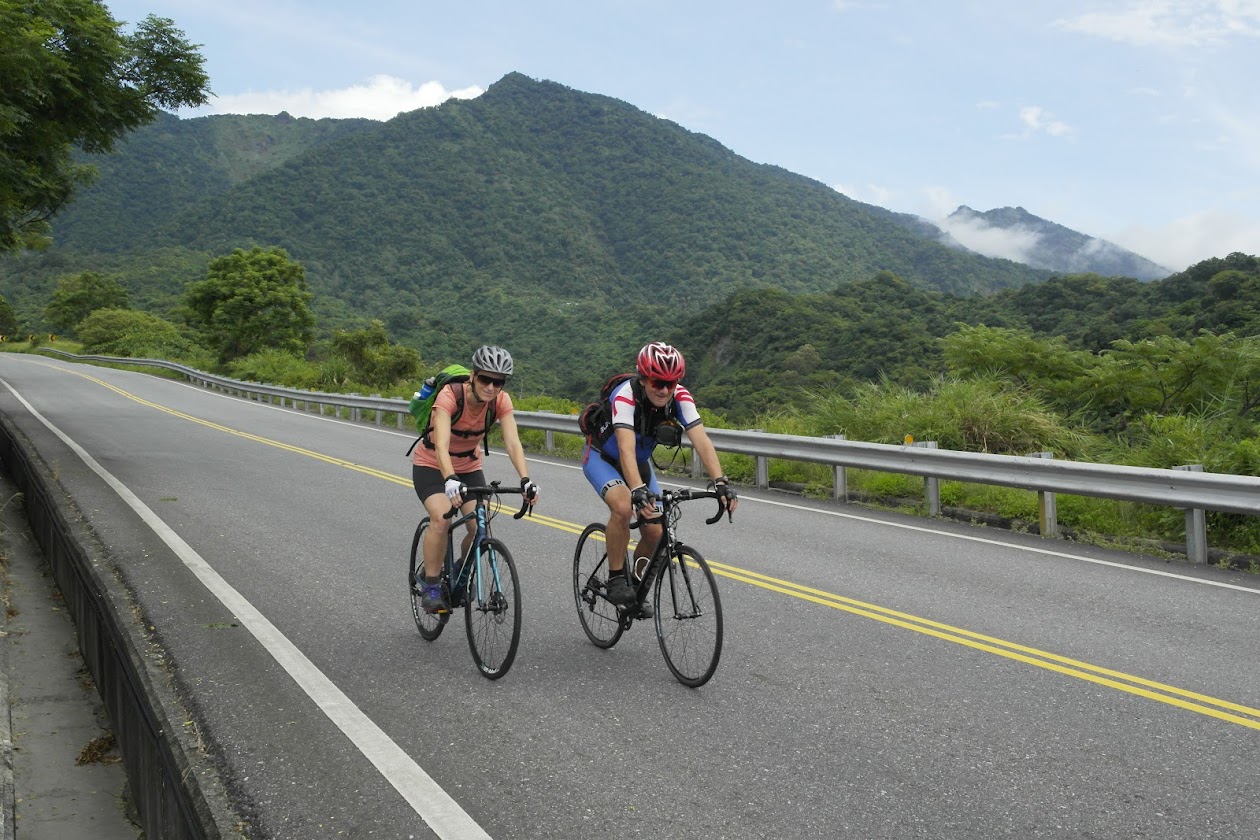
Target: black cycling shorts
429, 482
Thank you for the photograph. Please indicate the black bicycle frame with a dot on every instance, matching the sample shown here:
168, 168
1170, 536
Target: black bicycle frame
669, 545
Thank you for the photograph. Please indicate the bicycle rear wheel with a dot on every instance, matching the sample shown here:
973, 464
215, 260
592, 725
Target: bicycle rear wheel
688, 617
429, 625
492, 613
600, 617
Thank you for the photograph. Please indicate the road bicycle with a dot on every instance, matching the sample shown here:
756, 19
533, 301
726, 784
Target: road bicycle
484, 583
683, 591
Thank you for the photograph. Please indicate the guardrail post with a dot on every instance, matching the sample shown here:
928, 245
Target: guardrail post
840, 482
761, 476
549, 437
1196, 526
377, 413
931, 484
1047, 509
401, 419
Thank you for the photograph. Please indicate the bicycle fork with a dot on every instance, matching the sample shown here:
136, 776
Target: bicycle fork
682, 594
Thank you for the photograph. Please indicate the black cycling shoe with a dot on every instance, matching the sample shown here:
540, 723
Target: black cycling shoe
619, 591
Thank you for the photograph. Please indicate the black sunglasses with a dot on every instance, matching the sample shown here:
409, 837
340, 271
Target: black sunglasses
491, 380
662, 384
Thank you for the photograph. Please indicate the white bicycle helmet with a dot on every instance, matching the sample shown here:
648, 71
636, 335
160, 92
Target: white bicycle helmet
492, 359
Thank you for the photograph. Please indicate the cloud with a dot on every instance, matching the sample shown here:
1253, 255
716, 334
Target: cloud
1171, 23
1015, 243
381, 98
1192, 239
1038, 120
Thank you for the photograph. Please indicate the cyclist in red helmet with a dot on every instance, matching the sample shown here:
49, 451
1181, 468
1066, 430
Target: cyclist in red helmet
646, 409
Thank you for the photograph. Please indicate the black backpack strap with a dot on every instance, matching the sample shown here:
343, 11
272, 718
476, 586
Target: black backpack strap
459, 412
490, 418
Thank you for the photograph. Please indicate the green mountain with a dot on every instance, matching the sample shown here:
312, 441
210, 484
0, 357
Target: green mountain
567, 226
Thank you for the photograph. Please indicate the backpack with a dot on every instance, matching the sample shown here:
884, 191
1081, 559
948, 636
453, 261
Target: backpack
595, 421
421, 406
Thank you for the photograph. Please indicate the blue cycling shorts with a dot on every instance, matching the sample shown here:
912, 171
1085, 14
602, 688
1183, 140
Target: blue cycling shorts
603, 476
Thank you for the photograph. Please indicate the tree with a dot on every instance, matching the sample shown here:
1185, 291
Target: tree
79, 295
8, 318
250, 301
375, 360
127, 332
70, 79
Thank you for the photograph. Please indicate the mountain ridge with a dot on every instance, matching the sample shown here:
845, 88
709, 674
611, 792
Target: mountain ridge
1041, 243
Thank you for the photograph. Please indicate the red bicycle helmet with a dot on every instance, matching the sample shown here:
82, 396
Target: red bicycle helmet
659, 360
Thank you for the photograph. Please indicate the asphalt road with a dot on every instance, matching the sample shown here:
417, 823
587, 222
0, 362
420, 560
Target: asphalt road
882, 676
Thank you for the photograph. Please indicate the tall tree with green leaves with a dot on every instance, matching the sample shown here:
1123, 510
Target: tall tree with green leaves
376, 361
250, 301
79, 295
70, 78
8, 318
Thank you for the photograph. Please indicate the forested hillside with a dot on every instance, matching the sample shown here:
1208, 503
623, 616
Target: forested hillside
569, 226
175, 163
762, 350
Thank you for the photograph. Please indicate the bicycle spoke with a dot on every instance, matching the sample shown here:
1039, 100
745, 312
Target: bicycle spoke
492, 612
689, 618
429, 624
600, 619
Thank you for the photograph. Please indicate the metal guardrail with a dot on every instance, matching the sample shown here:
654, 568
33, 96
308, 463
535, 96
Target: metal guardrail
1186, 488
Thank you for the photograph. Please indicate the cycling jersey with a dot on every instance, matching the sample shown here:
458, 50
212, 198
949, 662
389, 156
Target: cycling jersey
681, 408
466, 432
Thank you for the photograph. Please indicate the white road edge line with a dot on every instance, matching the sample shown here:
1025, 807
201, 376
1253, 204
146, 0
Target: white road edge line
433, 805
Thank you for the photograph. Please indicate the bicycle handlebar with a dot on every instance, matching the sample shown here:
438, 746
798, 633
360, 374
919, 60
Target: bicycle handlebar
686, 494
487, 491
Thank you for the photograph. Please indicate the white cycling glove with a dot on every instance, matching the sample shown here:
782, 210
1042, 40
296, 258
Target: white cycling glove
453, 489
530, 489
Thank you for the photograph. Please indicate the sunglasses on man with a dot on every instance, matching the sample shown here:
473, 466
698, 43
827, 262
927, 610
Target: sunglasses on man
662, 384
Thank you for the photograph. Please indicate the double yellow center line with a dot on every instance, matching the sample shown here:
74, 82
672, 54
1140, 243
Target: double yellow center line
1173, 696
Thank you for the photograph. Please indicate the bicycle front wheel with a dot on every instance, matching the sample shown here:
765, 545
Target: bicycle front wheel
492, 612
688, 617
429, 625
600, 618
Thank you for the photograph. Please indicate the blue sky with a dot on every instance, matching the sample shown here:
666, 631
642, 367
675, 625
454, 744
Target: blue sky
1137, 121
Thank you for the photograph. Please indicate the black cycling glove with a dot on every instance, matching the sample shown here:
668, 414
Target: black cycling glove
723, 488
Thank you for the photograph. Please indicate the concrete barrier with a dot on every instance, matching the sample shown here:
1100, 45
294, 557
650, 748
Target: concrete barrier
177, 791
